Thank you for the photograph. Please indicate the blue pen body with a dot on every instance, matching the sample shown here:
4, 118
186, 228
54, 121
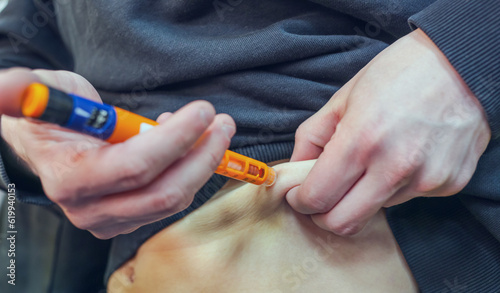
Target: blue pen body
91, 118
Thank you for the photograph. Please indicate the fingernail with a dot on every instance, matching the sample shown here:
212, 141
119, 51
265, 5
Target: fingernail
296, 203
229, 130
292, 192
164, 117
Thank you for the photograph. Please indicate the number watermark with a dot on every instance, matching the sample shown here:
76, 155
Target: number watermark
11, 233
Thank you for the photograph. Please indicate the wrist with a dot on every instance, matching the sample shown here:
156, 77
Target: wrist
464, 98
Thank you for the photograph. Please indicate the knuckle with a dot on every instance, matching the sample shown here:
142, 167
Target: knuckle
174, 199
315, 202
398, 175
345, 229
87, 218
185, 138
135, 173
62, 195
301, 130
81, 222
432, 182
67, 195
306, 133
368, 138
361, 147
460, 182
103, 235
404, 169
416, 157
182, 140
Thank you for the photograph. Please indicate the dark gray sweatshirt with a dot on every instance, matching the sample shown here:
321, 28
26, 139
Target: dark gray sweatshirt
271, 65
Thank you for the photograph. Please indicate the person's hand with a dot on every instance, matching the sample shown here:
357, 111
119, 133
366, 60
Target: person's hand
405, 126
115, 189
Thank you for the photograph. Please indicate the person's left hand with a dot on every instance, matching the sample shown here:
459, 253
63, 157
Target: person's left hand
405, 126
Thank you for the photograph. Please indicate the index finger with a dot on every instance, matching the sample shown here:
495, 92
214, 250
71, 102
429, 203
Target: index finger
137, 161
337, 169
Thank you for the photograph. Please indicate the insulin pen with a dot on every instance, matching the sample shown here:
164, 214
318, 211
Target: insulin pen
116, 125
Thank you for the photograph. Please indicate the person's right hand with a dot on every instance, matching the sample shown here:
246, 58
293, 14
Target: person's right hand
115, 189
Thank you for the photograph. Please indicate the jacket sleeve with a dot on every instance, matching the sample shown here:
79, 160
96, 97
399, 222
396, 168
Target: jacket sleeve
28, 38
467, 33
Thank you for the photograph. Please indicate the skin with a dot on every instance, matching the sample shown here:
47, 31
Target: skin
405, 126
248, 239
114, 189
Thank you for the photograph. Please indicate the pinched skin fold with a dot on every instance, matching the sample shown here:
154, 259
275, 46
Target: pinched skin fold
248, 239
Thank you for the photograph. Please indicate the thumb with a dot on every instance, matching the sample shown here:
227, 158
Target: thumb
13, 82
314, 133
68, 82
